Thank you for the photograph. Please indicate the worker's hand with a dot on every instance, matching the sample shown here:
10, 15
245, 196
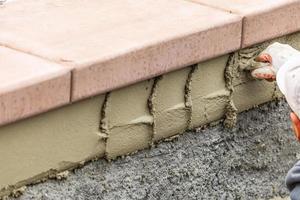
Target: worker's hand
265, 70
271, 60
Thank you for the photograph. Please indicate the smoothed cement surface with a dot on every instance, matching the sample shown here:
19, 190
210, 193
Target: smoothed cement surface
247, 162
34, 148
167, 104
209, 94
126, 119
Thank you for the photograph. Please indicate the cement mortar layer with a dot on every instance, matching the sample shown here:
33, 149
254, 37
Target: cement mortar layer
38, 148
167, 104
132, 118
126, 119
209, 95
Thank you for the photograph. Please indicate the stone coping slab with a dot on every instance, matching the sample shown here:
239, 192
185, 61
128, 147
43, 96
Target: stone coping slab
110, 44
263, 20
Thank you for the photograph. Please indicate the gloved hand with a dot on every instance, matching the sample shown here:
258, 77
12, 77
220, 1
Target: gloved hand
282, 62
272, 59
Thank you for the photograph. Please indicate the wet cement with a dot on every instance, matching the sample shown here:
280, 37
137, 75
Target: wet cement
247, 162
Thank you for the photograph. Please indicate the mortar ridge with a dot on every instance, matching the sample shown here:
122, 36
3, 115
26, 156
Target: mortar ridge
151, 106
104, 124
230, 109
187, 95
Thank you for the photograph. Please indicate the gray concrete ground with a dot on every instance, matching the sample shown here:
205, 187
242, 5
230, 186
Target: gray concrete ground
248, 162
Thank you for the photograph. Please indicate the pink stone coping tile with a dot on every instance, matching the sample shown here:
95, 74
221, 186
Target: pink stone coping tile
112, 43
30, 85
263, 19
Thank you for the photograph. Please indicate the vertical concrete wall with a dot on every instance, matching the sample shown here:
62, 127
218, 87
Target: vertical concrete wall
126, 119
167, 104
209, 94
39, 147
137, 116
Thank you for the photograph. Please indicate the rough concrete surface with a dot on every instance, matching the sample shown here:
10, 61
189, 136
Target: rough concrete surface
247, 162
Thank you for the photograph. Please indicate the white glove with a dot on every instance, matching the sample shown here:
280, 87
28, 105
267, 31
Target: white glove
272, 59
282, 62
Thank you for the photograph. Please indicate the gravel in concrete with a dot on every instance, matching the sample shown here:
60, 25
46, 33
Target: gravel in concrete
248, 162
